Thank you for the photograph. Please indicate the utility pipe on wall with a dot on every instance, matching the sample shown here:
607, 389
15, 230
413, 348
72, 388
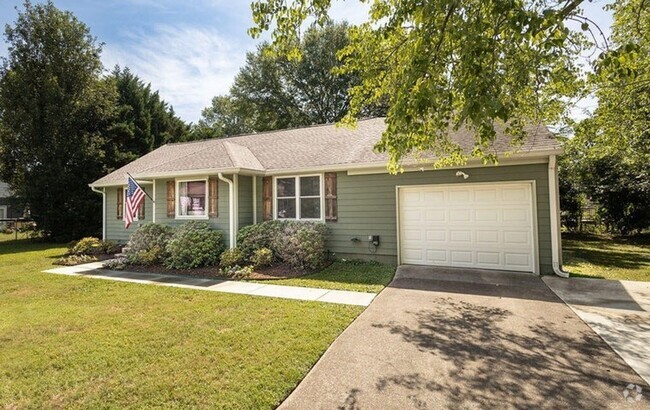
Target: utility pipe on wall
231, 207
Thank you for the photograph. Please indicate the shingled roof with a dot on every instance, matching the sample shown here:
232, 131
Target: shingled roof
326, 146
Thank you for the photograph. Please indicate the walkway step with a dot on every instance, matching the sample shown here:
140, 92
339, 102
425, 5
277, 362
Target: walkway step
95, 270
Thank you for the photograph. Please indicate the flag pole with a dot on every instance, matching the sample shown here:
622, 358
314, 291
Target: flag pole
143, 190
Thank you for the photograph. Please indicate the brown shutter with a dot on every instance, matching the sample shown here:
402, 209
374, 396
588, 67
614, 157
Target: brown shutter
267, 198
213, 193
120, 203
141, 210
331, 212
171, 198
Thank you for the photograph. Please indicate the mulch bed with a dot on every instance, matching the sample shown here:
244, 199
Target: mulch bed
277, 271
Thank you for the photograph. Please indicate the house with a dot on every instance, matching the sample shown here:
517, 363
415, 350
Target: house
503, 217
8, 208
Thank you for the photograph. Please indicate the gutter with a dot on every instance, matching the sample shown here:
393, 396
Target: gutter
103, 192
556, 238
231, 213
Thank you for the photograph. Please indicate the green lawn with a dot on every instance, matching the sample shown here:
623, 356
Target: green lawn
602, 257
351, 275
79, 342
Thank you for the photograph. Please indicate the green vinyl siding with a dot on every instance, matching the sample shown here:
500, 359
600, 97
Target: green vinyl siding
367, 206
115, 227
245, 200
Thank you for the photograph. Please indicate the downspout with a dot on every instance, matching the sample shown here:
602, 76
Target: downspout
254, 199
103, 192
556, 238
231, 208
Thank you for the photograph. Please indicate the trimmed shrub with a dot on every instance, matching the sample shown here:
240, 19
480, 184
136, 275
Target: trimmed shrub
236, 272
262, 257
72, 260
86, 246
92, 246
148, 244
258, 236
194, 245
115, 264
232, 257
301, 244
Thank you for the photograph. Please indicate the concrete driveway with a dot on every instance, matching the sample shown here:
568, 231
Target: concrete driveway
618, 310
448, 338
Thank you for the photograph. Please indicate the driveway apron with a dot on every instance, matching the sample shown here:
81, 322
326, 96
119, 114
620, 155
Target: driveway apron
454, 338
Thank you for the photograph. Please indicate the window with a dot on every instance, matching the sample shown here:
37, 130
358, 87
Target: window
192, 199
298, 197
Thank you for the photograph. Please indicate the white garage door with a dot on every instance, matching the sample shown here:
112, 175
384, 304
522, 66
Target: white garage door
473, 225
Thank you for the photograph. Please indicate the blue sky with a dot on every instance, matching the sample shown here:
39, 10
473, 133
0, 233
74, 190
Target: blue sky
190, 51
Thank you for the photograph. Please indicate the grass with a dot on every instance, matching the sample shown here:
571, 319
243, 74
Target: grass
607, 258
79, 342
351, 275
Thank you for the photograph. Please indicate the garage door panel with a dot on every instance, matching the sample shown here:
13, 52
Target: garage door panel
484, 226
488, 258
436, 235
487, 237
437, 256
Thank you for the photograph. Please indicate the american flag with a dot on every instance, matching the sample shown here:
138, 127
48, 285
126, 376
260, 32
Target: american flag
134, 197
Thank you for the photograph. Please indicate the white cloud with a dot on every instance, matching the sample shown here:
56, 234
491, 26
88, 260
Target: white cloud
188, 65
352, 11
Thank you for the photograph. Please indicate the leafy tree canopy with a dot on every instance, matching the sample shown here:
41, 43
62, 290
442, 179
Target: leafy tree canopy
610, 151
273, 92
54, 108
442, 64
143, 121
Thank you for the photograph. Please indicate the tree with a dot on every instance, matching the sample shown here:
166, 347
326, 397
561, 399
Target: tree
444, 64
143, 121
273, 92
613, 144
53, 110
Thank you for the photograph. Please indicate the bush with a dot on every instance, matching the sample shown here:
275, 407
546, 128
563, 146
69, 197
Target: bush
115, 264
236, 272
71, 260
301, 244
232, 257
258, 236
92, 246
86, 246
194, 245
262, 257
148, 244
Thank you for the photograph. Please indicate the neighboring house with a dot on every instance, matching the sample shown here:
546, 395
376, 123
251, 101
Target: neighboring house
495, 217
8, 208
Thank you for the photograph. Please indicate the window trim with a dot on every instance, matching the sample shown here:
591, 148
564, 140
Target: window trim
177, 198
297, 179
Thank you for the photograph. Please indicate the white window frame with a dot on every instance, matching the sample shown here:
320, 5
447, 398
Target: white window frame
178, 201
297, 179
136, 218
4, 208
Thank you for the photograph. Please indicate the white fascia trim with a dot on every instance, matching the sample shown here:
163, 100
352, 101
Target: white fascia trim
556, 235
473, 163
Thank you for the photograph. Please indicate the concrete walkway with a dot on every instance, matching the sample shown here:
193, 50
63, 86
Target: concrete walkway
94, 270
618, 310
439, 338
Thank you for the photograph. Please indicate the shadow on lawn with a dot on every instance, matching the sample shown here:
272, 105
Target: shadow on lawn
490, 364
29, 245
